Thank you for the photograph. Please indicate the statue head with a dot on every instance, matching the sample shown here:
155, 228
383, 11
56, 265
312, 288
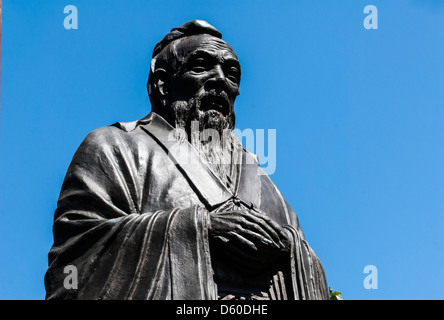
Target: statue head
194, 76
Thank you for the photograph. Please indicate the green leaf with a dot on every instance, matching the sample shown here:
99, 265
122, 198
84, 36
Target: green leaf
335, 295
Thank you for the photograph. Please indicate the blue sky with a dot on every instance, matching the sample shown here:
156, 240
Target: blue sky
358, 116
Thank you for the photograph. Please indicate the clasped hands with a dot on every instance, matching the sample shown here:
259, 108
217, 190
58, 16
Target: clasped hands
251, 239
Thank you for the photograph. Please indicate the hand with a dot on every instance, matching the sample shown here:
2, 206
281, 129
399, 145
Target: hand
249, 238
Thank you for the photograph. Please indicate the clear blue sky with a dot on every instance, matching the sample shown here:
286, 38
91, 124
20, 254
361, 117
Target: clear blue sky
358, 116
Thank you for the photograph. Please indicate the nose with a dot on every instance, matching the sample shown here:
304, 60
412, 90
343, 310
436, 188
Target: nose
218, 79
219, 72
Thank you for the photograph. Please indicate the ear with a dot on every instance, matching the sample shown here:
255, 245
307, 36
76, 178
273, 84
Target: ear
161, 85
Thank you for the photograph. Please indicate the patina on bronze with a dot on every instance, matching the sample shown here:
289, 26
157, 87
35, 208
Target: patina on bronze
154, 209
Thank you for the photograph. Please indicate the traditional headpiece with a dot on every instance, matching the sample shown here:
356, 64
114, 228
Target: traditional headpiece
190, 28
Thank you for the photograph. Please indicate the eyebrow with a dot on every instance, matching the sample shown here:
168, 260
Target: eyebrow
212, 57
200, 53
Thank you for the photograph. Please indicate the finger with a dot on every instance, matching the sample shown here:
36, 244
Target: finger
248, 250
282, 235
240, 223
255, 238
266, 223
276, 226
244, 241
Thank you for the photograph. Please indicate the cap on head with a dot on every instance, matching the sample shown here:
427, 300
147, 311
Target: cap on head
190, 28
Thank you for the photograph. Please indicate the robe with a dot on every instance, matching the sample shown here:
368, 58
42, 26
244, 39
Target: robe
133, 216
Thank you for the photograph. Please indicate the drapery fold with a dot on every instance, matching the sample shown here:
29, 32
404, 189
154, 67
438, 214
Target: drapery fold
134, 223
163, 255
308, 276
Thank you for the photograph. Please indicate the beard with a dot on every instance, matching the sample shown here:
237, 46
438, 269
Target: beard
183, 113
210, 132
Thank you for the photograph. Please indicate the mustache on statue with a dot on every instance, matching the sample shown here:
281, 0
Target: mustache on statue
213, 100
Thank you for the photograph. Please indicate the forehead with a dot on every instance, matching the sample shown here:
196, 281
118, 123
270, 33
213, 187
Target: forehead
204, 44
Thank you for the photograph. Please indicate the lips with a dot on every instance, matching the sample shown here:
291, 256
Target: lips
215, 102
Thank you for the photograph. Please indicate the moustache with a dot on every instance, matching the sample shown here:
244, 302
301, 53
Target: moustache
213, 100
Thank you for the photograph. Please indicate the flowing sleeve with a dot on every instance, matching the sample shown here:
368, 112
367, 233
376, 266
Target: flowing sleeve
118, 251
308, 275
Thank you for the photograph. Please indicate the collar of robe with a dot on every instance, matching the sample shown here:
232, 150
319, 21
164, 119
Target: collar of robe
197, 171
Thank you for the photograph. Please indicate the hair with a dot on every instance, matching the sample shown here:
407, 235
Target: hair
164, 53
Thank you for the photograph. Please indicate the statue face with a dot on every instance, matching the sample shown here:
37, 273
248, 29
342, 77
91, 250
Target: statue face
208, 71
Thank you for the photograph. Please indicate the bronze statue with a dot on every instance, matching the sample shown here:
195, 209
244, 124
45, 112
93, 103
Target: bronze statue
153, 209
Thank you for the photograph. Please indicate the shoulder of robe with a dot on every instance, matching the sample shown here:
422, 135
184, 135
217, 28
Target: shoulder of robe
132, 125
113, 135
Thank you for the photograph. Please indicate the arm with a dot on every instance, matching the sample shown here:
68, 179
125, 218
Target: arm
119, 251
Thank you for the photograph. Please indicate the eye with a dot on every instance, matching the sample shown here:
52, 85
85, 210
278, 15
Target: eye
233, 74
199, 65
